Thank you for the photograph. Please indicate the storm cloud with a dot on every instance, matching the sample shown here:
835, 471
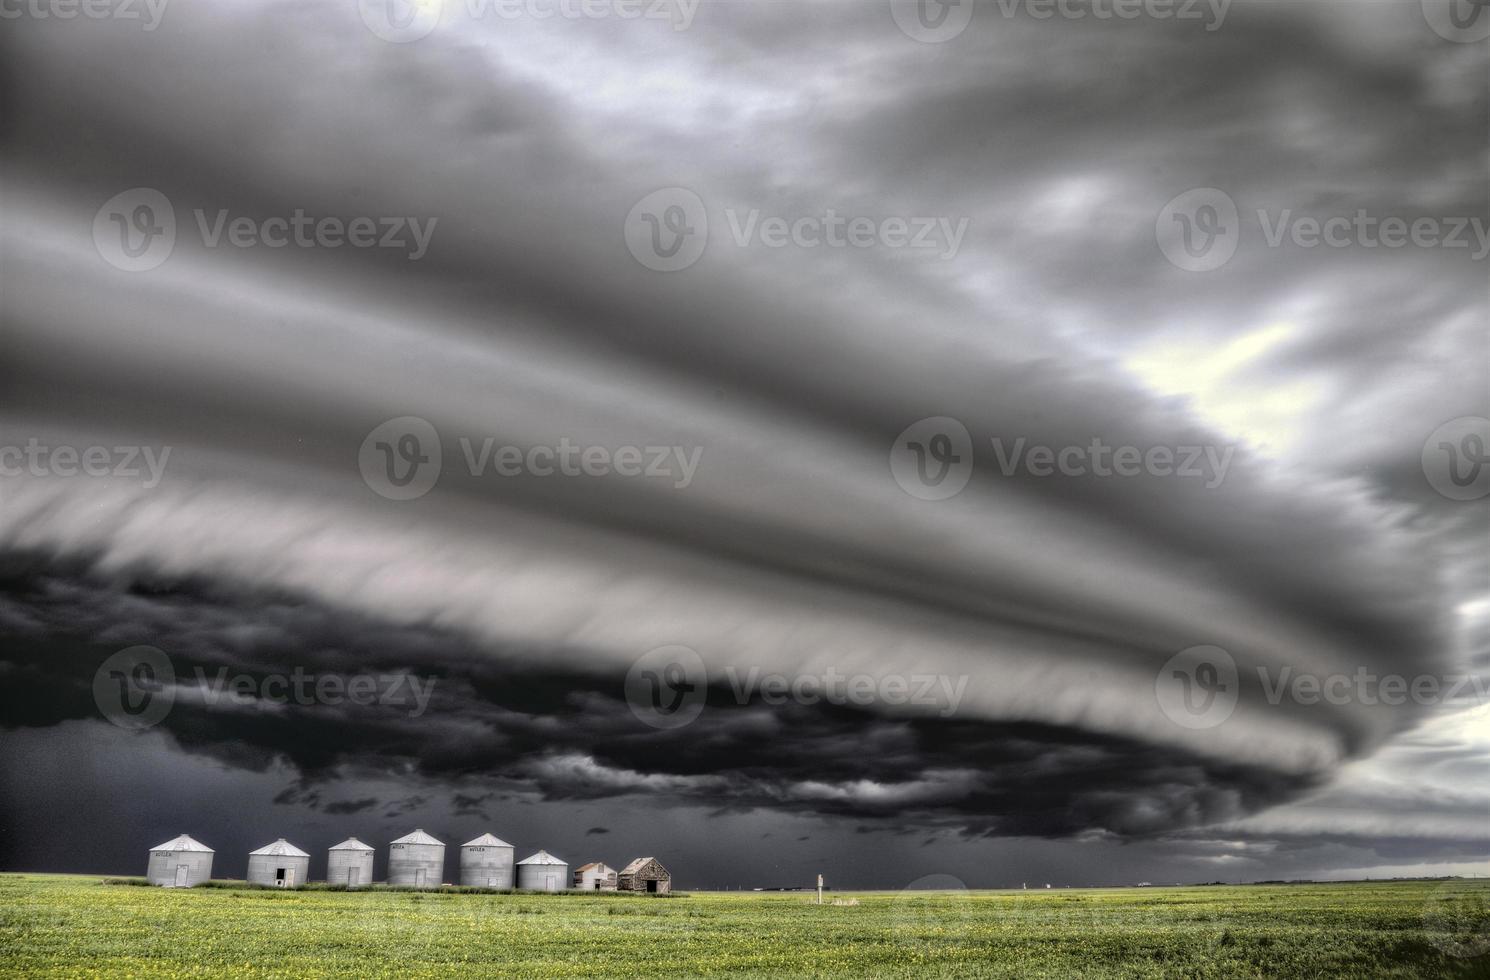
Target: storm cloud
766, 392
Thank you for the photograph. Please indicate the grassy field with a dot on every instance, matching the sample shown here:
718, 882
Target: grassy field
53, 925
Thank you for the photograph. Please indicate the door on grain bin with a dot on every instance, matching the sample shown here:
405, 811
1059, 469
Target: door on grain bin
549, 884
352, 875
182, 873
418, 876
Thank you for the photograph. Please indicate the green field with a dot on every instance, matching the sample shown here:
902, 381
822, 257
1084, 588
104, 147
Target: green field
54, 925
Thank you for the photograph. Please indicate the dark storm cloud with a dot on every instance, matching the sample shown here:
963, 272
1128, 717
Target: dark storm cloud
572, 736
792, 549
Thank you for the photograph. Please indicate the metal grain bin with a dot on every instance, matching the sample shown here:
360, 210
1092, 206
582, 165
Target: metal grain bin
543, 873
179, 863
486, 862
416, 859
350, 863
280, 864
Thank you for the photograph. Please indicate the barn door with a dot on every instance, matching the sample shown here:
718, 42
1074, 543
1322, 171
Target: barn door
183, 873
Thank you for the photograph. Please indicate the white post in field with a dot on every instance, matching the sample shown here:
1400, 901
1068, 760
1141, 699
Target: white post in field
819, 889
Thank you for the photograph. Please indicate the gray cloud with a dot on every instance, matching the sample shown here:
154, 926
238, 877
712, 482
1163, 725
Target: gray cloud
791, 371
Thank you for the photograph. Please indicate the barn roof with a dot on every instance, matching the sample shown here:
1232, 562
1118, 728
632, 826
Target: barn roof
486, 840
183, 843
280, 848
542, 857
592, 866
418, 837
637, 865
351, 844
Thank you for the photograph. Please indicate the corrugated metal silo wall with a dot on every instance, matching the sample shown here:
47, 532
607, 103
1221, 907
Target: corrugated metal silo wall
263, 869
543, 877
163, 865
487, 867
421, 865
341, 865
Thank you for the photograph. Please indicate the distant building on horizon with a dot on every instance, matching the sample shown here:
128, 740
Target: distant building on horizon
179, 863
645, 874
595, 877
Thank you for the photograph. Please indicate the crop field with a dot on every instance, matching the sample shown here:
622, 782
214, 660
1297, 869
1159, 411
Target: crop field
74, 926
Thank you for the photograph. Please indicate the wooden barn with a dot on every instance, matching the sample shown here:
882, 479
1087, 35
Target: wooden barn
645, 875
595, 877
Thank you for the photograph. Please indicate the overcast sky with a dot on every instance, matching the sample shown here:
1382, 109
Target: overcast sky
1016, 441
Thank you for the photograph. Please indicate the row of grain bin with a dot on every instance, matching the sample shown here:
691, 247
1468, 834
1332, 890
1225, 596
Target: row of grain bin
415, 860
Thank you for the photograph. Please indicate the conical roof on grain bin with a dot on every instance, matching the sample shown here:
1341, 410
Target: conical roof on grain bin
183, 843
